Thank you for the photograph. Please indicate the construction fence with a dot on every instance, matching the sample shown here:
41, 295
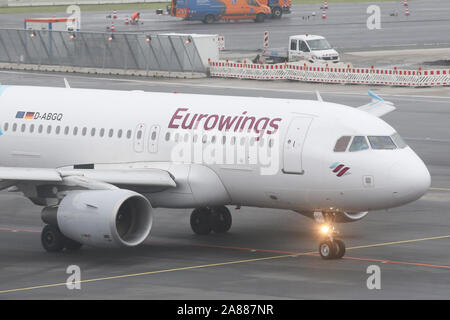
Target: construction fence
119, 51
329, 74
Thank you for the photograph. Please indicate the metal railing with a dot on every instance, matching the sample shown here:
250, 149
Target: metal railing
125, 51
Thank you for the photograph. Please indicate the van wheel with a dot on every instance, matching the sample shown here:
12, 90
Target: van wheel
209, 19
277, 13
260, 17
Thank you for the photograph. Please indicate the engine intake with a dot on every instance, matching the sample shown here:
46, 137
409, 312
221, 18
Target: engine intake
103, 218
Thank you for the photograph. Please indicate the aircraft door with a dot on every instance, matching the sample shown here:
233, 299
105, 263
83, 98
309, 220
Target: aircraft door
153, 139
139, 137
293, 145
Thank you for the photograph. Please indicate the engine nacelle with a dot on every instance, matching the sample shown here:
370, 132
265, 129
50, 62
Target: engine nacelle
103, 218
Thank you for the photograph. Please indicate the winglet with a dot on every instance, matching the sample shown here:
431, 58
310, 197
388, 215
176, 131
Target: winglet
66, 83
374, 96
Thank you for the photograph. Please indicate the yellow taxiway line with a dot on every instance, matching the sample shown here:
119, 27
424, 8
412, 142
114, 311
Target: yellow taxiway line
214, 265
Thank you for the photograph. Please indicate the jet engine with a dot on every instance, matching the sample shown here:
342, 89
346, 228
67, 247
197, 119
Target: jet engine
102, 218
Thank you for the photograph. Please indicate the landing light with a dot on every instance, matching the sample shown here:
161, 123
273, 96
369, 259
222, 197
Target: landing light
32, 35
324, 229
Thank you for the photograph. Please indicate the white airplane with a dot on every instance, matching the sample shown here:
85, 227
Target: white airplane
100, 161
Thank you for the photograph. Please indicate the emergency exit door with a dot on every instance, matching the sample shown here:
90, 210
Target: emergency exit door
139, 138
293, 145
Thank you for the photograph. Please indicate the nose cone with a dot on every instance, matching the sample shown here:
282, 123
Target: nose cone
410, 180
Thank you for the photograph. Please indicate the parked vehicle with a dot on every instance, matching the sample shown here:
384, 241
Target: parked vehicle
277, 7
303, 47
209, 11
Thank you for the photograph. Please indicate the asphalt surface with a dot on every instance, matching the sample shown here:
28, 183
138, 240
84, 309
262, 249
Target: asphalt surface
345, 26
264, 254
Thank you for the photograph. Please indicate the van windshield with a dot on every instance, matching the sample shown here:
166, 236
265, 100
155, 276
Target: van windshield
319, 44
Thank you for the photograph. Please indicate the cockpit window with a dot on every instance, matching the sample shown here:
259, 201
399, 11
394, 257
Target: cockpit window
381, 143
341, 144
398, 140
359, 143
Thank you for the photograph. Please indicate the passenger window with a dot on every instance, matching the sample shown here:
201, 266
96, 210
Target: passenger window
6, 126
102, 132
167, 136
213, 139
93, 132
381, 143
129, 134
359, 143
75, 131
119, 133
57, 131
84, 131
304, 46
23, 128
153, 135
341, 144
32, 128
111, 133
224, 139
66, 130
14, 127
41, 127
49, 129
294, 45
398, 140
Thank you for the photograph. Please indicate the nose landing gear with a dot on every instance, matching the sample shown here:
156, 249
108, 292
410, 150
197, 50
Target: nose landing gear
330, 247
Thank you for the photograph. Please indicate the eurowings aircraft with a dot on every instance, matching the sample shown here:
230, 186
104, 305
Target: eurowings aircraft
99, 165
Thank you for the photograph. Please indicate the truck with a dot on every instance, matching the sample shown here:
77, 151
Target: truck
277, 7
303, 47
209, 11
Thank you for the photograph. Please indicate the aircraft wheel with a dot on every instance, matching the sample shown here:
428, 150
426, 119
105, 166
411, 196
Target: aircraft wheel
340, 248
200, 221
220, 219
52, 239
327, 250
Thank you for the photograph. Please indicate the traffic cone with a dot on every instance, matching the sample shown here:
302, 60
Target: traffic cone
324, 14
126, 20
407, 12
113, 28
115, 14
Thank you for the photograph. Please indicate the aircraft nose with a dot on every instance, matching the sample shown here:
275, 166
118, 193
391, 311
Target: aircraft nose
410, 180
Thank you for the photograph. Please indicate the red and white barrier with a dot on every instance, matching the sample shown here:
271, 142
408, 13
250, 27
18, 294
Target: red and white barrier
221, 42
324, 14
330, 74
407, 12
266, 40
114, 14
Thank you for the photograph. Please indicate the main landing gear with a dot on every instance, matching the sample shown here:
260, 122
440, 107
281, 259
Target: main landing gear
54, 241
217, 219
330, 247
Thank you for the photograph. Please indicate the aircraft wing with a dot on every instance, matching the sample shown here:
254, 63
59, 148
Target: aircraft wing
378, 107
87, 178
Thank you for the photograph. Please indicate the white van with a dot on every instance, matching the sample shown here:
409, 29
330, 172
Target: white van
312, 48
